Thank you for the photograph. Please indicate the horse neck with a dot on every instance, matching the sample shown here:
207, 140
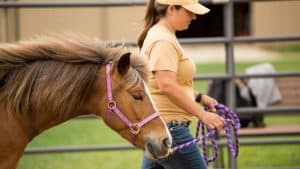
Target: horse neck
44, 121
96, 104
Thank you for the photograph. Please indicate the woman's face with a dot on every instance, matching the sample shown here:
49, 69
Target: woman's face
181, 19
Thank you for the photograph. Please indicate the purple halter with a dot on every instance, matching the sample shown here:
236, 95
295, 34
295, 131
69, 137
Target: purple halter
231, 120
112, 107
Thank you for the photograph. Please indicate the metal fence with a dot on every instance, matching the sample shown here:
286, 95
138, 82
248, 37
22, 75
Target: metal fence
9, 26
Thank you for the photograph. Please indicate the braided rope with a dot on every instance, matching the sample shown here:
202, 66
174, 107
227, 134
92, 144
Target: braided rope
232, 121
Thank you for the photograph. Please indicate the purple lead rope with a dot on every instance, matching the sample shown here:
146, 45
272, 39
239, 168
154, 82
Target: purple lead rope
231, 120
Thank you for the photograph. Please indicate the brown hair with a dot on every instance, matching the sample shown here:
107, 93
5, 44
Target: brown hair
154, 12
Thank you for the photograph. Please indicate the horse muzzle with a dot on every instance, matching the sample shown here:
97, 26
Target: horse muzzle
155, 149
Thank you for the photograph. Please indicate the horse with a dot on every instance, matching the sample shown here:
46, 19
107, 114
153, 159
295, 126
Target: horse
48, 80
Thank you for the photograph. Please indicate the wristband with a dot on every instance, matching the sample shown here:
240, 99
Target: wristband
198, 98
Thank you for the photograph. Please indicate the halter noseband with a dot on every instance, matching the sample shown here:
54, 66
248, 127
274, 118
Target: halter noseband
112, 107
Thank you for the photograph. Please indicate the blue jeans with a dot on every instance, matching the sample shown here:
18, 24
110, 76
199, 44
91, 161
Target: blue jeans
187, 158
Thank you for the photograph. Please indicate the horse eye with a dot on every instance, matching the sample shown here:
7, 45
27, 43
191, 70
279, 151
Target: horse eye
137, 96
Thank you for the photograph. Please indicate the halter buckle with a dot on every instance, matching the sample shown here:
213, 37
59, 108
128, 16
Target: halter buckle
112, 105
135, 128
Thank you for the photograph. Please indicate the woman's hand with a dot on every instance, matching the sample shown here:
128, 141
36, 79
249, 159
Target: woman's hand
209, 102
213, 120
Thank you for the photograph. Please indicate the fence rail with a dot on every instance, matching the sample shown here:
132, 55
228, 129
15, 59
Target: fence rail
16, 4
77, 149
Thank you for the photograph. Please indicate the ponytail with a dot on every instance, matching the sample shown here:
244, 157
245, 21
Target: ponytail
154, 12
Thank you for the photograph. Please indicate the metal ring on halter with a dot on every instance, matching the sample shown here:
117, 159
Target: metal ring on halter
112, 105
135, 128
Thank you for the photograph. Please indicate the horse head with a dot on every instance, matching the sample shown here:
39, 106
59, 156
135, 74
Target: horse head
129, 108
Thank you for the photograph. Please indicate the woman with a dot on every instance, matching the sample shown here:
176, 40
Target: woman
171, 80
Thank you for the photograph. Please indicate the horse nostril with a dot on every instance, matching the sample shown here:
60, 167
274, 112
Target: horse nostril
167, 142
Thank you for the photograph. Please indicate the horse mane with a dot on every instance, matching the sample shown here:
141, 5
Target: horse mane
54, 73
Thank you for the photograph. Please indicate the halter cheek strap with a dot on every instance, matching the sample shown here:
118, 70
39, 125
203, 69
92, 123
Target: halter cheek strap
112, 107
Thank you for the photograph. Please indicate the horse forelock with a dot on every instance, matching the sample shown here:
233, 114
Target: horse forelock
54, 74
139, 72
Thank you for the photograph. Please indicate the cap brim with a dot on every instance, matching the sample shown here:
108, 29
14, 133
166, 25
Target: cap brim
196, 9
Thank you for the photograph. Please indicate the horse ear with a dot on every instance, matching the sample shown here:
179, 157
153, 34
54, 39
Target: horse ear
124, 63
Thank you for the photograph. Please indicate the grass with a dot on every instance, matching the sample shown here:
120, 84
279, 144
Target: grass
91, 160
94, 132
285, 48
219, 68
269, 156
83, 133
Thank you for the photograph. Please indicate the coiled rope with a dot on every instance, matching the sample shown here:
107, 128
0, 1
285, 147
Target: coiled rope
231, 121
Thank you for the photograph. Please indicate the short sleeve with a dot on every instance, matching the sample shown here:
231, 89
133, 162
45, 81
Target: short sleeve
163, 56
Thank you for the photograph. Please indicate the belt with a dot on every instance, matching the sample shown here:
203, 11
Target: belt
174, 123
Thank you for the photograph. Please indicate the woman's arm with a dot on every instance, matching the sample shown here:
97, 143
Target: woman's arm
167, 82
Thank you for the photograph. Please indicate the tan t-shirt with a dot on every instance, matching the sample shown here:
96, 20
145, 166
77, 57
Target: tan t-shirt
164, 52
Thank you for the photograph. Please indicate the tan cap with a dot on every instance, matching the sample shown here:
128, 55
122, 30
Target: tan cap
191, 5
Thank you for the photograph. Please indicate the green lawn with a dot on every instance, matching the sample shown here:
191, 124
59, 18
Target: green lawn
94, 132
